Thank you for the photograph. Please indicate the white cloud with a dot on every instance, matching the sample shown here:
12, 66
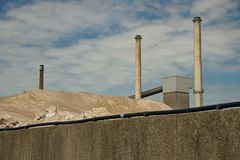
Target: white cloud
215, 9
107, 61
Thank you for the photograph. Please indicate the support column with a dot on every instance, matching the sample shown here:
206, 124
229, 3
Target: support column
41, 77
198, 90
138, 83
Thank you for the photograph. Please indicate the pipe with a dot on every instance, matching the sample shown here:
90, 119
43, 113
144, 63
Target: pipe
41, 77
138, 82
149, 92
198, 90
130, 115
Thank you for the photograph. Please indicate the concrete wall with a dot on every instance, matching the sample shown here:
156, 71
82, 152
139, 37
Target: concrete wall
211, 135
176, 100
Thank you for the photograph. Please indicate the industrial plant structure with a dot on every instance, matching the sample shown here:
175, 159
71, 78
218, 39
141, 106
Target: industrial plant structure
175, 88
183, 133
198, 90
41, 77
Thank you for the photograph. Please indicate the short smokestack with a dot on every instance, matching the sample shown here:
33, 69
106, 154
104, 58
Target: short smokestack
41, 77
138, 83
198, 90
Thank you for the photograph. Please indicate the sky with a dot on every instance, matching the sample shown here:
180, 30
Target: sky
89, 45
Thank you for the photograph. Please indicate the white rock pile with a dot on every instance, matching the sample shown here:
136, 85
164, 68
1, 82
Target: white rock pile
36, 106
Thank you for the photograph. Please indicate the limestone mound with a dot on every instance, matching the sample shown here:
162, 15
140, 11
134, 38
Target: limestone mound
35, 106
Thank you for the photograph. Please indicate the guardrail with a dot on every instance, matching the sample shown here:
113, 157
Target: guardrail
129, 115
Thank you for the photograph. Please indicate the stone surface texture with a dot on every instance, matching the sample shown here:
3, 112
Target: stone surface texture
212, 135
36, 106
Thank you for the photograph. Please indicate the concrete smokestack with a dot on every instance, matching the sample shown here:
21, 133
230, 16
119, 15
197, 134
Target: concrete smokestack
41, 76
198, 90
138, 83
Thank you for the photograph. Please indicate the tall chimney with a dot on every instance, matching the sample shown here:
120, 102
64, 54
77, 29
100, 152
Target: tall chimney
198, 90
41, 76
138, 83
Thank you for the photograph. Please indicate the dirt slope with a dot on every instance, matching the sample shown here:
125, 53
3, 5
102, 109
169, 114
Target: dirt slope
43, 105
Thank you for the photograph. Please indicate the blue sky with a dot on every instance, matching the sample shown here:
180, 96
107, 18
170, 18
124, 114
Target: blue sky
88, 45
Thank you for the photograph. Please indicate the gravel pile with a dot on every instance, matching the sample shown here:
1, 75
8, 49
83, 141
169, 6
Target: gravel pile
35, 106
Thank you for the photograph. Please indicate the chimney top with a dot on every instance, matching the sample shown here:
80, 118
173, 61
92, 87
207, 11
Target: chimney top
138, 37
41, 67
197, 19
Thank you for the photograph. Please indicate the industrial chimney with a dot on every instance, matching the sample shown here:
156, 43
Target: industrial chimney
138, 83
198, 90
41, 76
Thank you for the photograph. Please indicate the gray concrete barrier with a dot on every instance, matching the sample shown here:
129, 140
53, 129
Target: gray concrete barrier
211, 135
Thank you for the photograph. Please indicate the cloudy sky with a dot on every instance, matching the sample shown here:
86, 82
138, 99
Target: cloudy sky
88, 45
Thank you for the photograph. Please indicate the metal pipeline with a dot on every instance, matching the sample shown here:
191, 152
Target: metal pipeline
149, 92
130, 115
